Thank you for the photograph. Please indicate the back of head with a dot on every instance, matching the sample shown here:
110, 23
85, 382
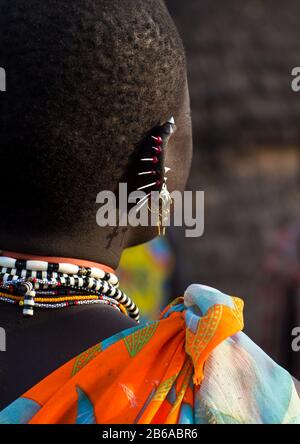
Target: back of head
86, 80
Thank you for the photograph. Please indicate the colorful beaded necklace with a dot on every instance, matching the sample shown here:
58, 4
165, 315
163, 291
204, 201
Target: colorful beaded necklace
51, 285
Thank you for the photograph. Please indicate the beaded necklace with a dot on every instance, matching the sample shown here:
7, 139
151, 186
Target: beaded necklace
49, 285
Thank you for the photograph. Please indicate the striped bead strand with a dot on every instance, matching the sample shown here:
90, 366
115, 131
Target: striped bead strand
86, 283
54, 278
125, 300
28, 307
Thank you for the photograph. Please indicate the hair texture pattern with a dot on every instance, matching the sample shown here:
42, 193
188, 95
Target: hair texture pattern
86, 80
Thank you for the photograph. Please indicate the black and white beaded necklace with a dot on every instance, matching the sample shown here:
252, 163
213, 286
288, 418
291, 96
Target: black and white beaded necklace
30, 276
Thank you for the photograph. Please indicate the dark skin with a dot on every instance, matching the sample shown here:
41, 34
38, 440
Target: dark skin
39, 345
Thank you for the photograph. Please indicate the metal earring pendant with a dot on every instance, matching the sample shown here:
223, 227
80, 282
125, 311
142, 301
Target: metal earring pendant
162, 208
165, 202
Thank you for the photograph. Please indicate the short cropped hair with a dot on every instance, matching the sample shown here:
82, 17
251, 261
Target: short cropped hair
86, 79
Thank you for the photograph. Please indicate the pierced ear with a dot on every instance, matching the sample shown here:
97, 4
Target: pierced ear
152, 169
147, 171
153, 173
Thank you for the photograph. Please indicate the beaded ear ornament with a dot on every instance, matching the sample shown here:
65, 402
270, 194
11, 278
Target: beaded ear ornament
158, 142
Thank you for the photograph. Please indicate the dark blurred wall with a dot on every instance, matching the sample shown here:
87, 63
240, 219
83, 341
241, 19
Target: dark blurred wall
247, 133
240, 56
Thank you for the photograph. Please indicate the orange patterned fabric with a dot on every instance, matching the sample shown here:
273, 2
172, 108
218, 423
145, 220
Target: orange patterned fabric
146, 375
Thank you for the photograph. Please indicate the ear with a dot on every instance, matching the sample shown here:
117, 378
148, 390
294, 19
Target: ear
178, 157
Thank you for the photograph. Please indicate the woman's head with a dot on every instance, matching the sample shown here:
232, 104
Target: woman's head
86, 80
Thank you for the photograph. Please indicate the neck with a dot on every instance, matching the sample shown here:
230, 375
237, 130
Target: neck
105, 248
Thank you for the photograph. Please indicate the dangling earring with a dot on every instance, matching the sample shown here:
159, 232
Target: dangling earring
159, 142
164, 207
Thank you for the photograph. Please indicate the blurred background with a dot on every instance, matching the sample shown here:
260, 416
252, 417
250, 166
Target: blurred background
247, 160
